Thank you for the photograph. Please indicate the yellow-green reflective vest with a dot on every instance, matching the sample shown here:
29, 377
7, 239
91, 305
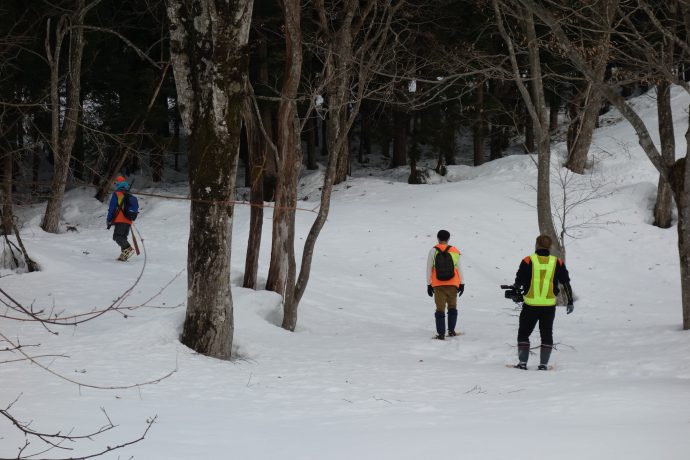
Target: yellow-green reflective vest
540, 292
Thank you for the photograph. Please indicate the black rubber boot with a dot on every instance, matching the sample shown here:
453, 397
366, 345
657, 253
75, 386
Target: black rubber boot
523, 352
544, 355
452, 320
440, 324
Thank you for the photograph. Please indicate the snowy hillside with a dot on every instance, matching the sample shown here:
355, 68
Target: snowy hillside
360, 378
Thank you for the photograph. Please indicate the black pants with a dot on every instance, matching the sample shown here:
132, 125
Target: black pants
529, 317
120, 235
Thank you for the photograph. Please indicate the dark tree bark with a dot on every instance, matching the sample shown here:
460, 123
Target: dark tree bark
175, 141
499, 118
554, 109
447, 150
262, 166
401, 126
257, 162
581, 128
324, 138
664, 196
207, 41
79, 153
495, 149
364, 148
529, 132
310, 134
343, 166
679, 177
479, 127
282, 269
7, 208
588, 111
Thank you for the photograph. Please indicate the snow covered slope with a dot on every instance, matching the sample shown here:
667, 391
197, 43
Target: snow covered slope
360, 378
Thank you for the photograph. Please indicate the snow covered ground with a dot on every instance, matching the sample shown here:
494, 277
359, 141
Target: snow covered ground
361, 378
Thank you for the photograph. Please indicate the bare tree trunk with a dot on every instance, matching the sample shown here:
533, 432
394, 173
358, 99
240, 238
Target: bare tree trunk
479, 125
364, 135
554, 109
664, 196
324, 138
207, 41
447, 152
536, 107
35, 168
78, 153
175, 142
281, 272
7, 208
588, 111
541, 126
339, 124
583, 126
679, 178
257, 157
401, 125
343, 167
495, 149
259, 161
529, 132
498, 118
62, 141
311, 143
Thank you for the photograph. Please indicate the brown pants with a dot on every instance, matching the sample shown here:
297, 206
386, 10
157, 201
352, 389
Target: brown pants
445, 296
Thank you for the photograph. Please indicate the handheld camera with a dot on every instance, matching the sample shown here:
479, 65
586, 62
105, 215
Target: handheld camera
512, 292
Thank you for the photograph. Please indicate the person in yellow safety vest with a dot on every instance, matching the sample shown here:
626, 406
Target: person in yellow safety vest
538, 278
444, 281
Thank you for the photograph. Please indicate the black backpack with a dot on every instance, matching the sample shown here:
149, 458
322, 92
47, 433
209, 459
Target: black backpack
443, 262
130, 206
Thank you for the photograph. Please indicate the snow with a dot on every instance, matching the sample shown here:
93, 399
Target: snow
360, 378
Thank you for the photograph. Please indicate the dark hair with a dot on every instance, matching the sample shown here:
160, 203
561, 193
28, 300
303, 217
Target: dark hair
443, 235
543, 242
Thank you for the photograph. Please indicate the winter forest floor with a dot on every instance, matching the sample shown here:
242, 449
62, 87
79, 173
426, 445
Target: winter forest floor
361, 377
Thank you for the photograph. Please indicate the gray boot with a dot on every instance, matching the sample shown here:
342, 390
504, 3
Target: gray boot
523, 352
544, 355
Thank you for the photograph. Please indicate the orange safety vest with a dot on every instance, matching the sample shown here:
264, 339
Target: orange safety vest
119, 215
455, 280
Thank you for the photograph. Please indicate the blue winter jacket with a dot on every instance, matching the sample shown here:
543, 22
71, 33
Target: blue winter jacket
112, 207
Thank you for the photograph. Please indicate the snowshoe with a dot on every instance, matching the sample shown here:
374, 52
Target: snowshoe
125, 254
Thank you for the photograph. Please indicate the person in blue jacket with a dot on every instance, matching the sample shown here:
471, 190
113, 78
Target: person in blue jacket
116, 218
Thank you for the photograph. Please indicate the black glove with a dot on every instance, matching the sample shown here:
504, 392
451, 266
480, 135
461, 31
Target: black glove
569, 308
429, 290
461, 289
108, 225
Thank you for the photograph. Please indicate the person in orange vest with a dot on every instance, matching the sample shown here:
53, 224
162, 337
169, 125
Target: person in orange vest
538, 278
444, 283
116, 217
